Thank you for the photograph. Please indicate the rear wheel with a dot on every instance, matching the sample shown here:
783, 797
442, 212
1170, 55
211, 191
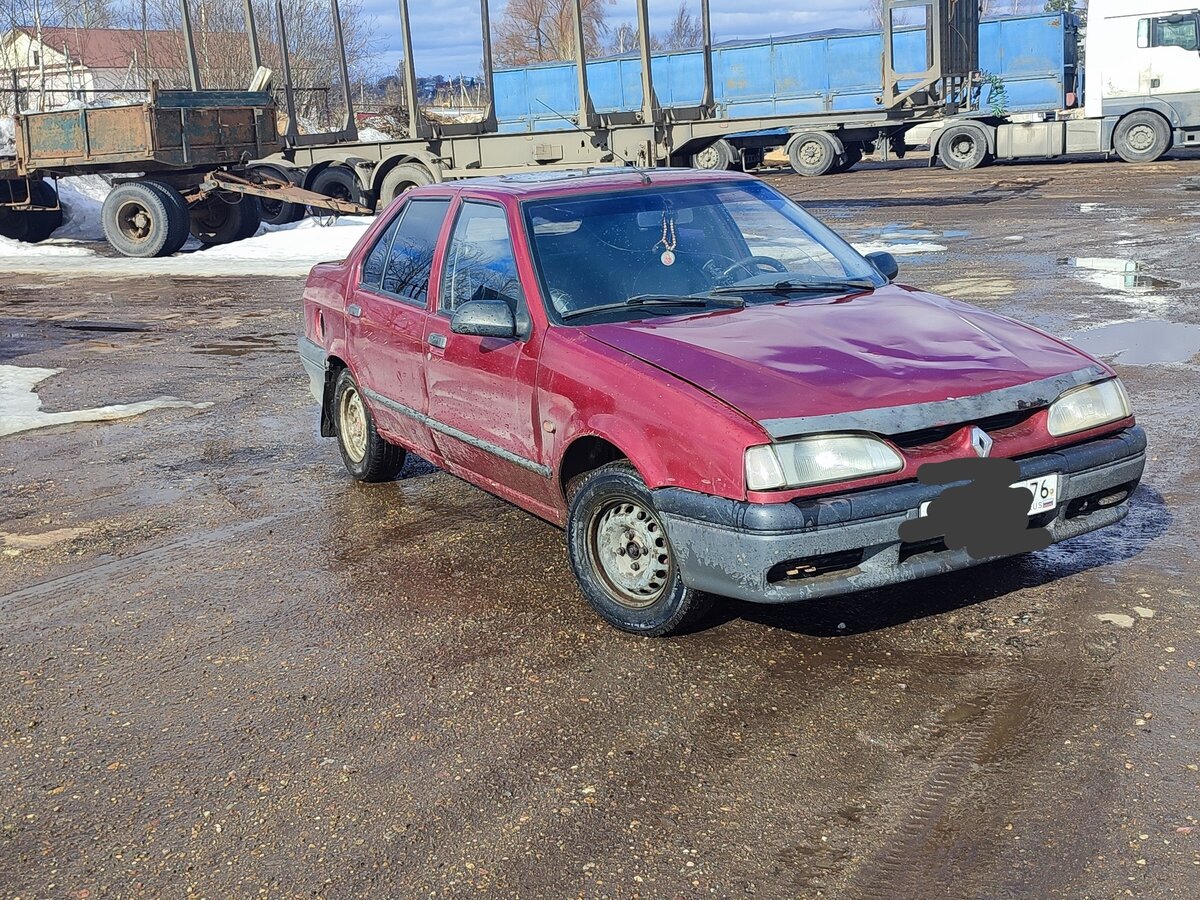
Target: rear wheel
278, 212
1142, 137
963, 147
366, 455
338, 182
849, 159
401, 179
225, 218
717, 156
812, 154
622, 556
145, 219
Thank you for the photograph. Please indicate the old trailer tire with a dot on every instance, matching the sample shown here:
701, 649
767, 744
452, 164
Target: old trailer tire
278, 212
716, 157
141, 219
366, 455
180, 221
223, 219
814, 153
338, 182
622, 556
402, 178
35, 225
1142, 136
962, 147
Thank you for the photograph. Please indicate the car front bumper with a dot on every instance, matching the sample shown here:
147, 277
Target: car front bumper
782, 552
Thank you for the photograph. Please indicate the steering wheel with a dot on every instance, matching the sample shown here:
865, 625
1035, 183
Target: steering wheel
754, 265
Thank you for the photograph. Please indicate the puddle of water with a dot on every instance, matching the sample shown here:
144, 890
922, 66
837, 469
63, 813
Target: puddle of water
21, 407
1117, 274
1145, 342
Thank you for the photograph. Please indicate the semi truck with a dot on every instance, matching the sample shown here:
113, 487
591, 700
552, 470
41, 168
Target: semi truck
1140, 95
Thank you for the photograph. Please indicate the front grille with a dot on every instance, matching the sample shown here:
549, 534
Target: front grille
910, 439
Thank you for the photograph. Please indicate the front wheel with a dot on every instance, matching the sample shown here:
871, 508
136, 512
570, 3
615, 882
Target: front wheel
366, 455
963, 147
622, 556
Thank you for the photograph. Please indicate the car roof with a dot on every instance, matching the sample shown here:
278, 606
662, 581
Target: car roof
571, 182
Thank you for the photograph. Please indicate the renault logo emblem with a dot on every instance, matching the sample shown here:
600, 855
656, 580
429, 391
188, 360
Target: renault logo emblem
981, 441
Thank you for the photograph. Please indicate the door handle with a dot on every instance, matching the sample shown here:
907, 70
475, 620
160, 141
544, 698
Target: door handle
355, 310
437, 340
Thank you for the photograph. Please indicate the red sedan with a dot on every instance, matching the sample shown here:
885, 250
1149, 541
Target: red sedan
711, 391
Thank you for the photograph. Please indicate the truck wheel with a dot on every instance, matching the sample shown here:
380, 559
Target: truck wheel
181, 220
34, 225
404, 177
223, 219
366, 455
142, 219
848, 160
622, 557
717, 156
1142, 137
278, 212
962, 147
812, 154
338, 182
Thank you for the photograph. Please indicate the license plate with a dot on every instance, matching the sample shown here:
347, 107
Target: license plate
1044, 490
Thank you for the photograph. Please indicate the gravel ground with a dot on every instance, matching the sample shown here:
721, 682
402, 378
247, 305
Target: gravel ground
227, 670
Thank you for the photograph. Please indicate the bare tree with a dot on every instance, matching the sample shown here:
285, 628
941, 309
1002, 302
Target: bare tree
874, 9
686, 31
533, 31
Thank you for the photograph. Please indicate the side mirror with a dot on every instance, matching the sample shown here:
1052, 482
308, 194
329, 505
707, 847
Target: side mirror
484, 318
885, 264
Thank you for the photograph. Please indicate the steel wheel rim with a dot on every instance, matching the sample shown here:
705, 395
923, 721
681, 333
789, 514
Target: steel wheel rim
629, 551
962, 148
352, 425
812, 153
707, 158
1141, 137
134, 220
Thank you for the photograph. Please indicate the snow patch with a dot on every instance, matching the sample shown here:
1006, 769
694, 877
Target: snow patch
21, 407
899, 247
282, 250
8, 136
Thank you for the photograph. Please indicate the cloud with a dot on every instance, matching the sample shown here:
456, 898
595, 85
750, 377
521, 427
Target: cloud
447, 41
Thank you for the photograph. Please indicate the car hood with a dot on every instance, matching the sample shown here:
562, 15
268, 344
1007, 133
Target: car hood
831, 355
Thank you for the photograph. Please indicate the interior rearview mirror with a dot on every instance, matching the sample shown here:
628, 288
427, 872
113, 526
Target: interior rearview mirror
885, 264
484, 318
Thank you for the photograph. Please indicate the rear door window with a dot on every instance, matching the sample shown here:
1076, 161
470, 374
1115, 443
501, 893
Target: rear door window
410, 257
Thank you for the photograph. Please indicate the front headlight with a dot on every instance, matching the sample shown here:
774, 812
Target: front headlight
818, 460
1086, 407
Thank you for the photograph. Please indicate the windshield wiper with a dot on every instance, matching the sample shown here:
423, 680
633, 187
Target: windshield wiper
787, 286
660, 300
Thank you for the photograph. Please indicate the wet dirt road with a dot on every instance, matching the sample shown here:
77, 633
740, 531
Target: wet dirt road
227, 670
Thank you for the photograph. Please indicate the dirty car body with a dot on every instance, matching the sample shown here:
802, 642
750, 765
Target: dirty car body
712, 392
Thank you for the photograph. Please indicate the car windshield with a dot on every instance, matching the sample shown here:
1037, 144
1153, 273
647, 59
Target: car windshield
675, 250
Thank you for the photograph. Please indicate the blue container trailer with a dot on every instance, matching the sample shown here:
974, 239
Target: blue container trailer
1034, 56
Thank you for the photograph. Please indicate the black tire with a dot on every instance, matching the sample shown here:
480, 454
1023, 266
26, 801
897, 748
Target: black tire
278, 212
813, 154
963, 147
849, 159
223, 219
180, 220
366, 455
338, 182
31, 226
718, 156
612, 505
141, 219
401, 179
1142, 136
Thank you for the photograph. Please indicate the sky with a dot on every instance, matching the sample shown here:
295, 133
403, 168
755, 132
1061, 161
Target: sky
446, 33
